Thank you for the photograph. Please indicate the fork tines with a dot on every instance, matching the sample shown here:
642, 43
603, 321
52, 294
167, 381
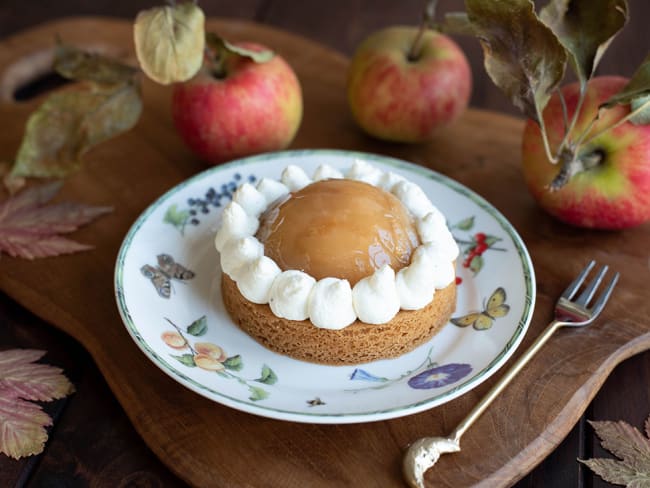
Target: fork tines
590, 289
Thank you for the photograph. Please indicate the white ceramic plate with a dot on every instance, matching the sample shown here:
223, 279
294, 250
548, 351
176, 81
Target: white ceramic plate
179, 333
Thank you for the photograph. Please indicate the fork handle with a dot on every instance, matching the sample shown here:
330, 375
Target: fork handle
499, 386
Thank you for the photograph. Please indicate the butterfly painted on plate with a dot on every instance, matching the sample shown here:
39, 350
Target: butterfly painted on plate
496, 307
315, 402
161, 276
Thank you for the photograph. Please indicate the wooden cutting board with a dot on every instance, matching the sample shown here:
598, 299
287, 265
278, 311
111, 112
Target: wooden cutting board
208, 444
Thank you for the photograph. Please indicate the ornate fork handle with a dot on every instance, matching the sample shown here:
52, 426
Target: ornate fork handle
424, 452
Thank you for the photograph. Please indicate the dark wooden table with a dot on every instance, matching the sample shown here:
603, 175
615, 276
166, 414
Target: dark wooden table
92, 441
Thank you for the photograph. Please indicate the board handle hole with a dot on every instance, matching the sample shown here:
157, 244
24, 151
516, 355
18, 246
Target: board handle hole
32, 75
38, 86
28, 77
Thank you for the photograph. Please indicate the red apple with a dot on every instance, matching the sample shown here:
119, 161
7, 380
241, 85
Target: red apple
615, 192
396, 98
248, 108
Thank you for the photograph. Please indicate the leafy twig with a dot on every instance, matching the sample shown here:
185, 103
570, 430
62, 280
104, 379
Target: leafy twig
180, 332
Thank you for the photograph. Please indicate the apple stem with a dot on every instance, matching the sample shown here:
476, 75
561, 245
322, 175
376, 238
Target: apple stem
218, 70
426, 23
217, 58
414, 52
572, 165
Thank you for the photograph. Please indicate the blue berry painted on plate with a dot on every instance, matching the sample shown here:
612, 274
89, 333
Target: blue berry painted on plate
199, 206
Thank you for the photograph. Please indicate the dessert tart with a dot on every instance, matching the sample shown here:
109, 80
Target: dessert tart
337, 269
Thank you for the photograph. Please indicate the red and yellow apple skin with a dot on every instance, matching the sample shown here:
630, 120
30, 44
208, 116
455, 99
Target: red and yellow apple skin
396, 99
253, 108
615, 194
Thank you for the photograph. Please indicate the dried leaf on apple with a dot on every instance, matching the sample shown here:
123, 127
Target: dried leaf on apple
641, 108
526, 60
457, 23
169, 42
585, 28
636, 93
219, 44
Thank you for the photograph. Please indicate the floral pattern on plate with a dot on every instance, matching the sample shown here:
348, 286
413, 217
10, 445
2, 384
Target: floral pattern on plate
433, 376
198, 207
210, 359
474, 245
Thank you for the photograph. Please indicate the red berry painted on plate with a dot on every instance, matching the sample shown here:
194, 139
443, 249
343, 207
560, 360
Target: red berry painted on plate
480, 248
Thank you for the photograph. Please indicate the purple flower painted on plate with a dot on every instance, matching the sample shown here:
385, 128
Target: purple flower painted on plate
439, 376
362, 374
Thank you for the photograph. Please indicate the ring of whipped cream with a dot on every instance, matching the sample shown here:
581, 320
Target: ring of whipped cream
331, 303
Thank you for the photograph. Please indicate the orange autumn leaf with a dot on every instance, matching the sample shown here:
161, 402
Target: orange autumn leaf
30, 227
22, 381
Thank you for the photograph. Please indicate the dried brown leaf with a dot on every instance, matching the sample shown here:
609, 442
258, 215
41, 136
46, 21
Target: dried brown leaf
618, 473
169, 42
523, 56
625, 442
585, 28
630, 446
457, 23
637, 89
29, 227
219, 44
76, 64
71, 122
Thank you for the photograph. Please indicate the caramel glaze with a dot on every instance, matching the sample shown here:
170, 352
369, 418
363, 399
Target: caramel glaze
341, 228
